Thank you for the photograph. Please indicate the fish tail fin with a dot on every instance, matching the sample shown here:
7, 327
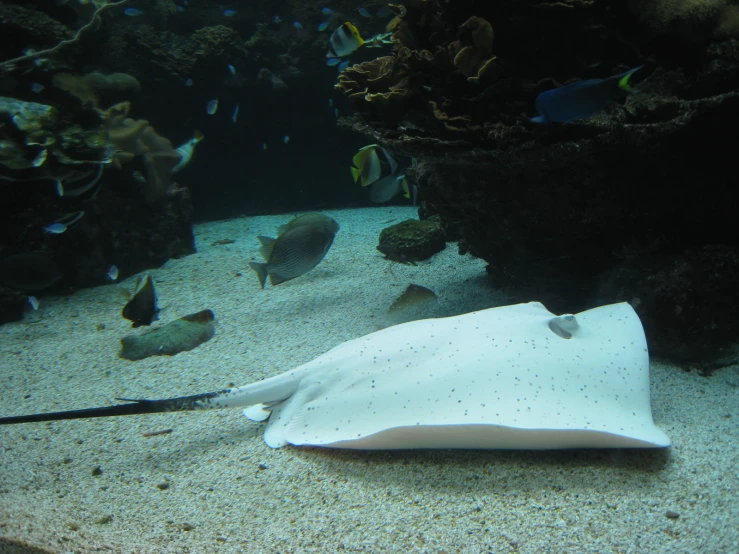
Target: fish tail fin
623, 82
197, 136
406, 190
354, 32
261, 271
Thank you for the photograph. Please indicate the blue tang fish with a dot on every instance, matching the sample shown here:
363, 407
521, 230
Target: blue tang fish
582, 99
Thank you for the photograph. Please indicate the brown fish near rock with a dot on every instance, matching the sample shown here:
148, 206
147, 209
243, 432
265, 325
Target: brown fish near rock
414, 295
300, 246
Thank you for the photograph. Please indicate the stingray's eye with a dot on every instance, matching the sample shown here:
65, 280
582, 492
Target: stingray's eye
564, 325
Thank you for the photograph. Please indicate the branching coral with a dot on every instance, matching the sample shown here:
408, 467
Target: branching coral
473, 51
12, 63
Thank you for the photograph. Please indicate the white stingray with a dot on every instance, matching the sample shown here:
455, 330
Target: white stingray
515, 377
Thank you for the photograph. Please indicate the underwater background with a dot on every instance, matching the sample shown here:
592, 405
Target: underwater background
201, 195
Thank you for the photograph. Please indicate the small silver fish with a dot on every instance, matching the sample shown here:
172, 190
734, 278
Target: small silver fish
54, 229
264, 146
235, 114
301, 246
188, 82
185, 151
112, 273
330, 102
34, 303
35, 87
59, 187
336, 112
363, 12
40, 158
297, 25
138, 177
212, 107
232, 69
286, 139
276, 19
322, 26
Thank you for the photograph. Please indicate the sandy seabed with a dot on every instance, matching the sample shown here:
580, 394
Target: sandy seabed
212, 485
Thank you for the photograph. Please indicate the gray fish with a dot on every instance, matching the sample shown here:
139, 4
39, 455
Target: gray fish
301, 245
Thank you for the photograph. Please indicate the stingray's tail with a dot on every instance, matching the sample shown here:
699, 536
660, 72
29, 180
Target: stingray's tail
270, 390
133, 407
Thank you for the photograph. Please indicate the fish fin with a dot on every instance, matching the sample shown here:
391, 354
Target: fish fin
357, 36
360, 158
356, 173
267, 244
623, 82
258, 412
371, 168
261, 271
391, 161
125, 293
197, 136
276, 279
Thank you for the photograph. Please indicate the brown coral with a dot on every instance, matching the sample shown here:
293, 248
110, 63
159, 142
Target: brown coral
472, 51
133, 138
426, 62
78, 87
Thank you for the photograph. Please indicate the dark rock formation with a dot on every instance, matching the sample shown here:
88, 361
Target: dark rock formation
411, 240
558, 210
119, 228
